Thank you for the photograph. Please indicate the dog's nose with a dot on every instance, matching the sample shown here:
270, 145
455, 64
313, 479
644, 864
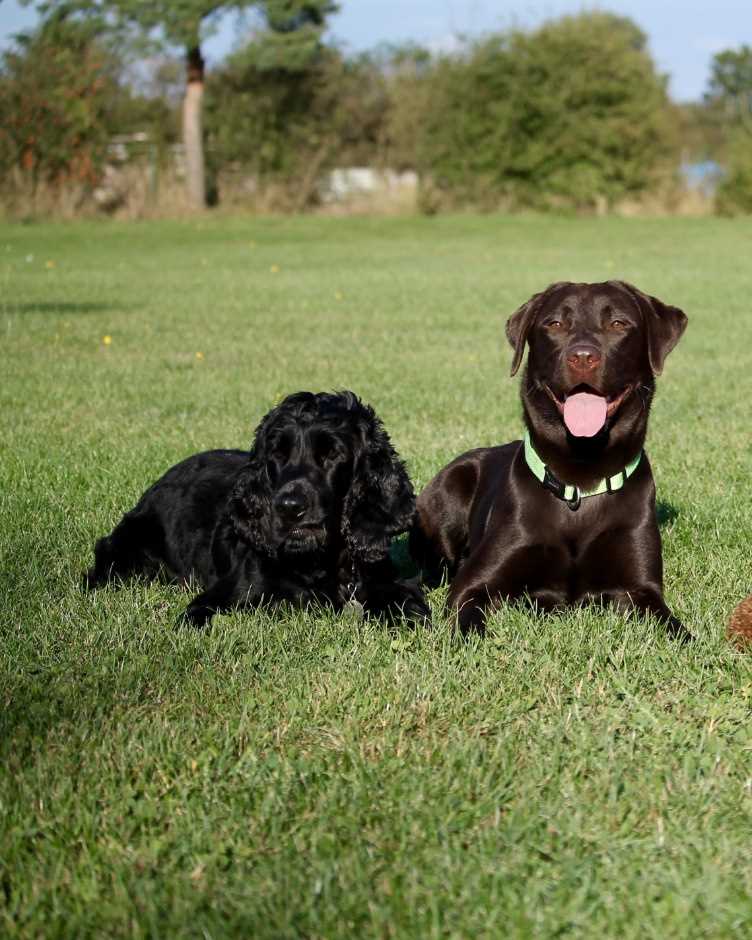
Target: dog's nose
292, 505
583, 358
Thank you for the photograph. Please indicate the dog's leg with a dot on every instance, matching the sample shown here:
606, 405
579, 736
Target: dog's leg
396, 600
494, 573
649, 600
133, 547
635, 583
231, 591
383, 594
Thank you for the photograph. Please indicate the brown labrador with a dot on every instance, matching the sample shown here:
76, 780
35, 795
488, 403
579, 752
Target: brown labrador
568, 516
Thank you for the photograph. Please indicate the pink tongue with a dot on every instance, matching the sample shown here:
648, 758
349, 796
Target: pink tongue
584, 414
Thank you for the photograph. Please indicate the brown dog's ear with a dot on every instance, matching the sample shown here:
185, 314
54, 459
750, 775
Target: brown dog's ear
518, 325
664, 325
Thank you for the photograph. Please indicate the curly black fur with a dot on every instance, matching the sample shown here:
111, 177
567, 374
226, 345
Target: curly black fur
308, 515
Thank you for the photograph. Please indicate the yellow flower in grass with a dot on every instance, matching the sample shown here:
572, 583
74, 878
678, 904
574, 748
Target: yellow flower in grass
199, 356
107, 340
339, 295
49, 264
274, 269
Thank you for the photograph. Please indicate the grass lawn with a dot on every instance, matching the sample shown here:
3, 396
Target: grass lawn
311, 776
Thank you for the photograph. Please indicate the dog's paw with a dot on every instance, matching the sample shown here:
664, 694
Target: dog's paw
91, 579
195, 616
418, 612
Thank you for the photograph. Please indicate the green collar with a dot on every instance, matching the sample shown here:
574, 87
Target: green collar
572, 495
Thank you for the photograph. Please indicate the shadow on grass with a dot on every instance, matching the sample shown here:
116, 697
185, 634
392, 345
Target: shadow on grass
666, 513
62, 307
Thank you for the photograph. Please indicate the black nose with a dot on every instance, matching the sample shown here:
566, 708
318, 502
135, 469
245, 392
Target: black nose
583, 358
292, 506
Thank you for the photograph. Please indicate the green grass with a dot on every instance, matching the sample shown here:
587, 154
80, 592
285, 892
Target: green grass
311, 776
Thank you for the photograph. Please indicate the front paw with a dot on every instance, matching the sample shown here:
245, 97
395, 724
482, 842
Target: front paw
678, 632
471, 620
196, 616
91, 579
417, 610
411, 605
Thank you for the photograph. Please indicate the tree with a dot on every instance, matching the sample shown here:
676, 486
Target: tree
572, 114
729, 101
730, 85
290, 27
283, 126
58, 89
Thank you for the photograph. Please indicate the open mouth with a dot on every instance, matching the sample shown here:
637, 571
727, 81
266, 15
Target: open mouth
584, 411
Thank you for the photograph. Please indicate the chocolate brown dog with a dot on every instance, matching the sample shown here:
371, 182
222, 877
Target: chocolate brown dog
568, 515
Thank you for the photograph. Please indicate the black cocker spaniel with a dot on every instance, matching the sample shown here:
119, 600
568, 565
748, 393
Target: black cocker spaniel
307, 516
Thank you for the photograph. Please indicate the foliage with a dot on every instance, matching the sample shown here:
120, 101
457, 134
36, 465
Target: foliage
291, 36
701, 131
735, 189
572, 114
730, 83
63, 96
405, 72
729, 102
286, 125
58, 86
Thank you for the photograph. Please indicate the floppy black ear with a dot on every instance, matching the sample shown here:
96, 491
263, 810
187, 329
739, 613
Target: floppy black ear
518, 325
250, 503
380, 502
664, 325
249, 506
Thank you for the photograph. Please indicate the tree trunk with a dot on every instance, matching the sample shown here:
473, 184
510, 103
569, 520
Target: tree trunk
193, 141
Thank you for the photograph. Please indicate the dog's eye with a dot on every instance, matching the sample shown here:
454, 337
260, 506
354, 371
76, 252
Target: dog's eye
555, 325
280, 450
327, 449
619, 325
329, 452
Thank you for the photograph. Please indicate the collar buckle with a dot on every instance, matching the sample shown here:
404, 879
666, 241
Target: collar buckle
553, 483
559, 490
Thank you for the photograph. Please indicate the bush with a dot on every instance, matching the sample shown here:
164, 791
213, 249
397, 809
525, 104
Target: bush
54, 89
729, 105
281, 128
734, 195
573, 114
61, 101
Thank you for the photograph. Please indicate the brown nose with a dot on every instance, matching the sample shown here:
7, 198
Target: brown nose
583, 358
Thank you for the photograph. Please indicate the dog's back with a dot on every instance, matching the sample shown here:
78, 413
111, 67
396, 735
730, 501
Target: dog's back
170, 529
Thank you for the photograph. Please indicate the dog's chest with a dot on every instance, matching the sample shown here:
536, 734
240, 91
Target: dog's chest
579, 553
305, 583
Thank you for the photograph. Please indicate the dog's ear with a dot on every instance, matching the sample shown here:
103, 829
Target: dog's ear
380, 502
664, 325
518, 325
249, 506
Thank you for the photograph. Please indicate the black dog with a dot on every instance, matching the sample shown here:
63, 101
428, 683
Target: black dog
568, 515
308, 515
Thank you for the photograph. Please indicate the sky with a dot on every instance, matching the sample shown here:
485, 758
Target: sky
683, 34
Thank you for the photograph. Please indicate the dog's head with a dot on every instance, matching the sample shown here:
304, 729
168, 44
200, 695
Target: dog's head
323, 472
594, 350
